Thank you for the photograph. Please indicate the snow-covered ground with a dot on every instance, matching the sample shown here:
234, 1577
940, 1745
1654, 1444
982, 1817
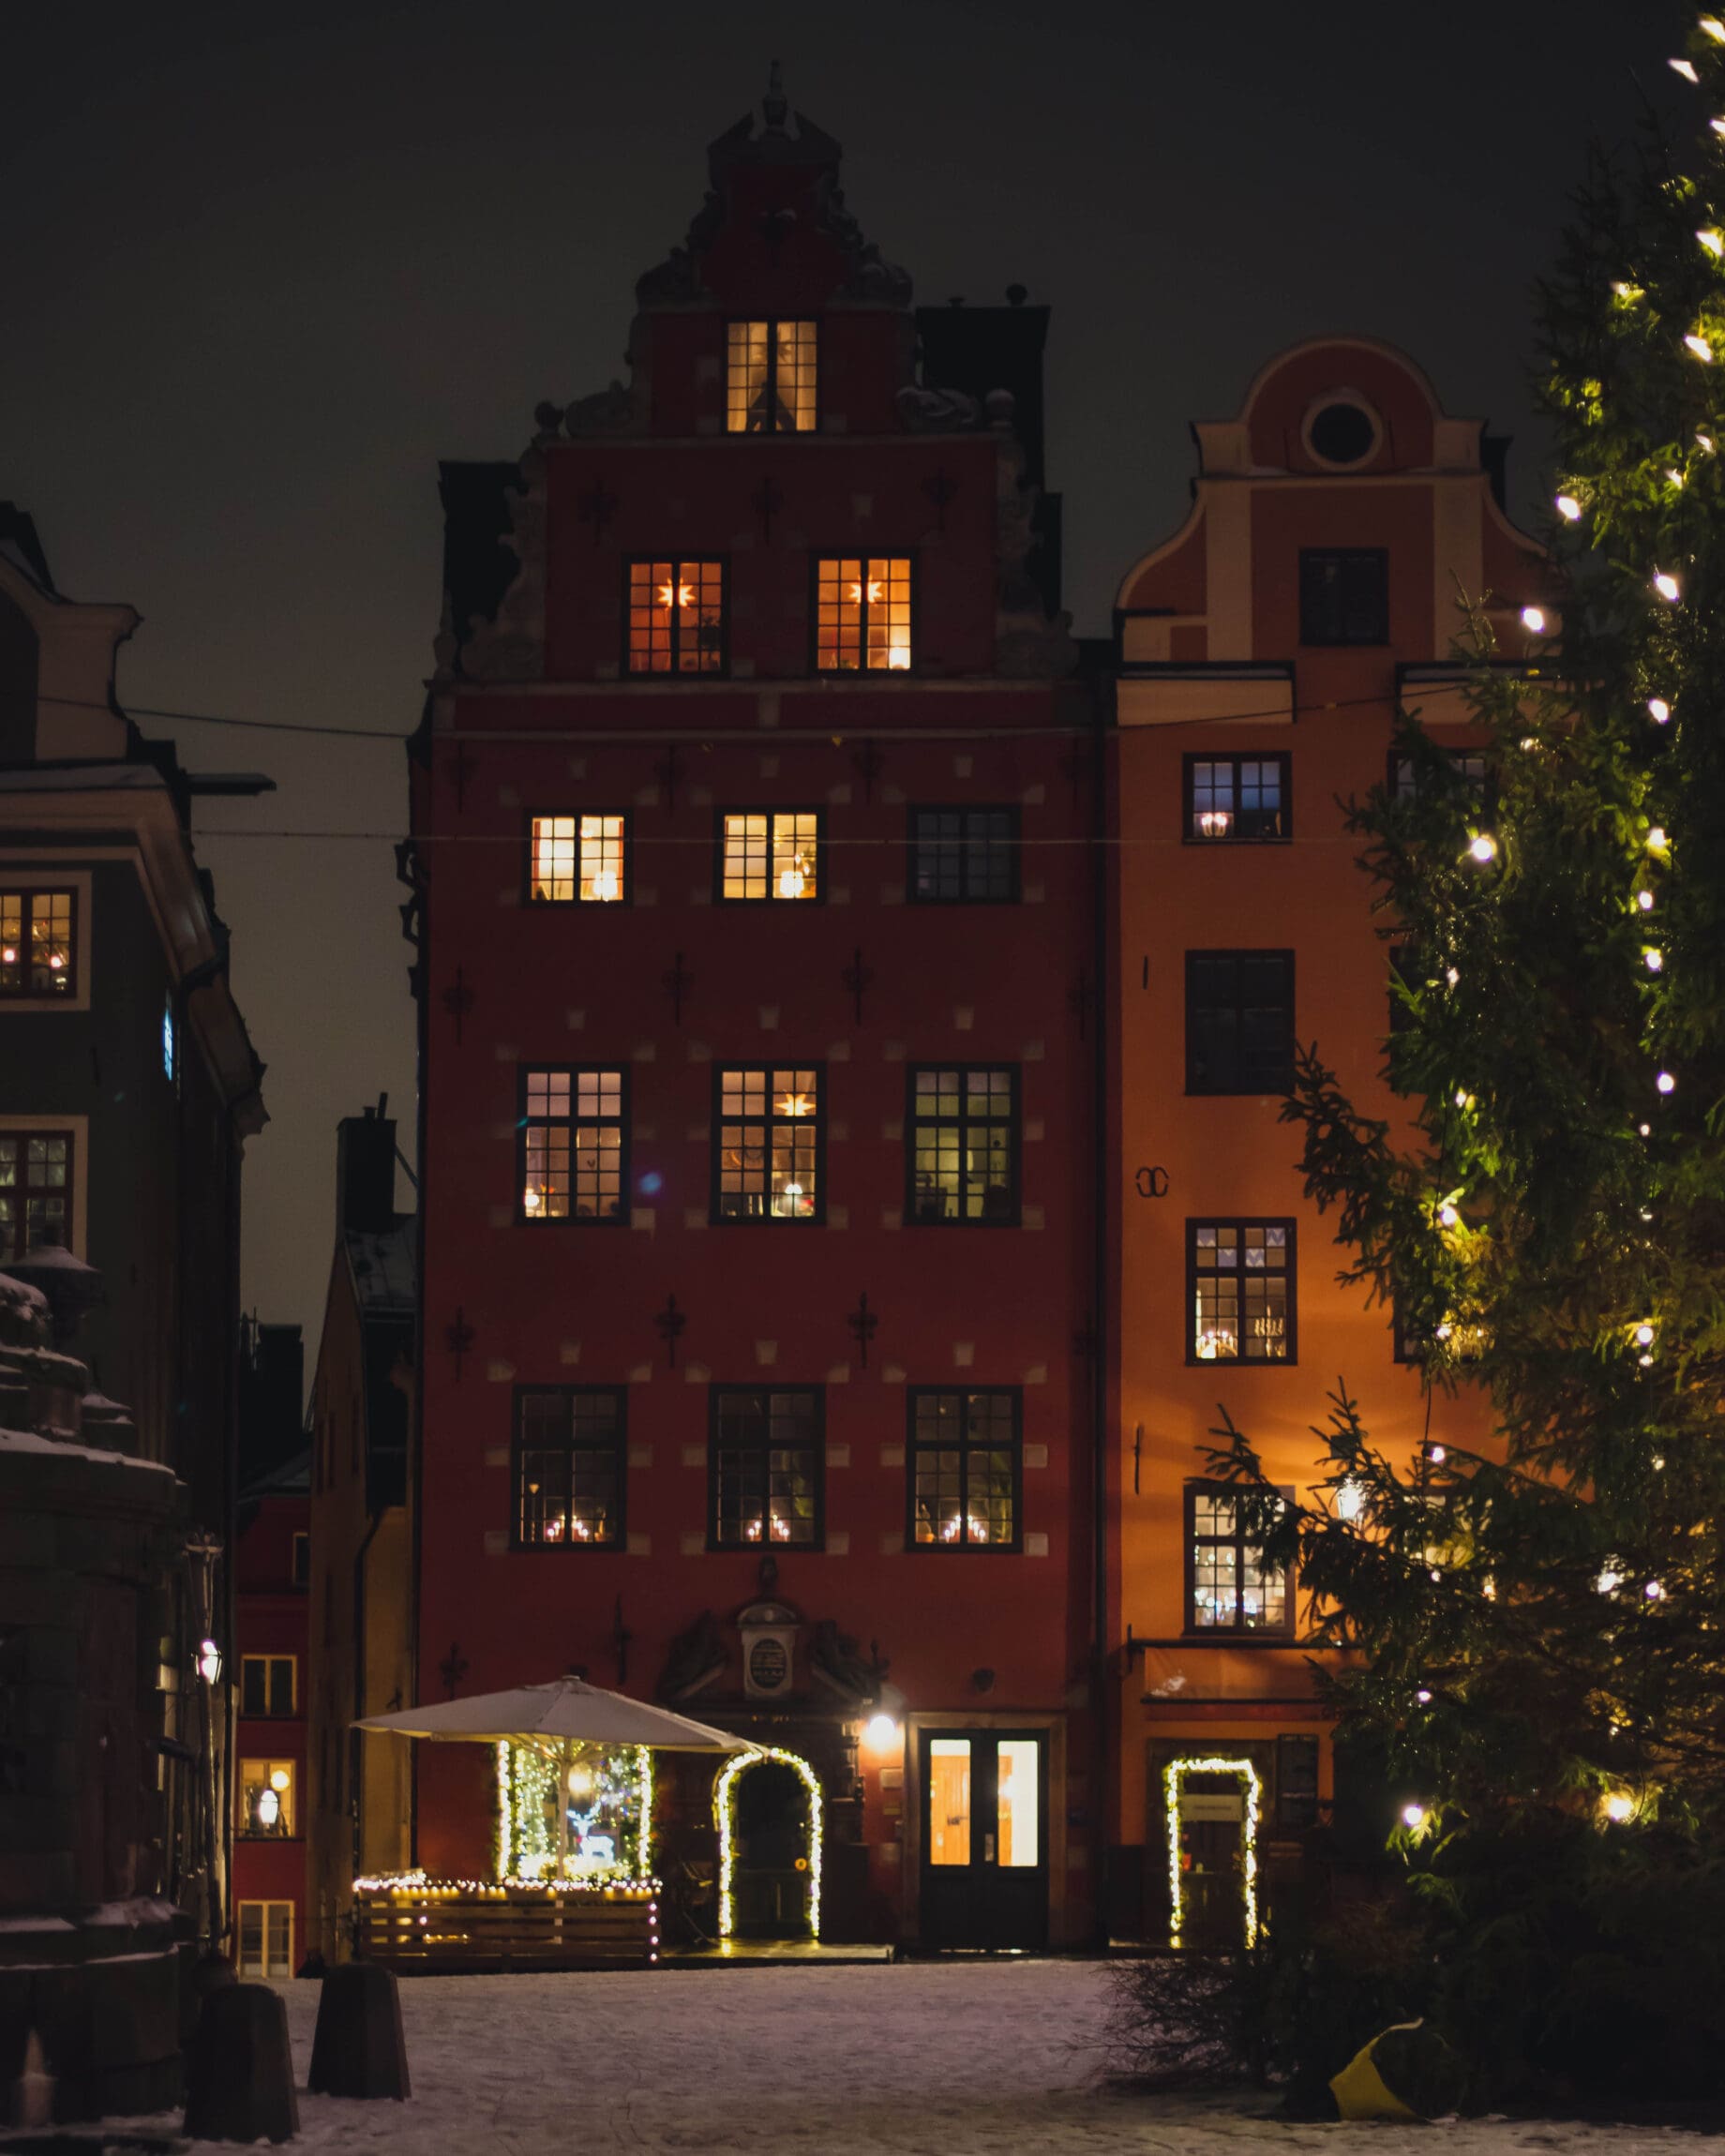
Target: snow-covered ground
943, 2060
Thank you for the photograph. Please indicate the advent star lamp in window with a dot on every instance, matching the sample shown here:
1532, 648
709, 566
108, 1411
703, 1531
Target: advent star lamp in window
769, 1152
862, 615
572, 1145
676, 617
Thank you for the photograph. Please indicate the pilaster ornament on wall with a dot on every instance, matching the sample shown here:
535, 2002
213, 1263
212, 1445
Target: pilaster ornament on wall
670, 1323
459, 1338
458, 999
458, 768
941, 488
1079, 1000
858, 979
452, 1669
677, 980
864, 1324
869, 762
767, 501
665, 770
1076, 767
596, 506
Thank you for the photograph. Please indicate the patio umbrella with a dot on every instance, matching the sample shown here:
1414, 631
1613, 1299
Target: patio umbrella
565, 1712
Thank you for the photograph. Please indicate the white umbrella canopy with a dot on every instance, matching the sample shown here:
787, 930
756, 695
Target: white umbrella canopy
567, 1710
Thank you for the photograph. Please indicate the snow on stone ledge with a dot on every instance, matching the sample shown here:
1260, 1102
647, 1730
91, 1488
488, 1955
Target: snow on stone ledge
21, 1295
27, 1440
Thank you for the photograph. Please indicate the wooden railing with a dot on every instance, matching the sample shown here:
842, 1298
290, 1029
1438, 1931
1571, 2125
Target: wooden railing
442, 1927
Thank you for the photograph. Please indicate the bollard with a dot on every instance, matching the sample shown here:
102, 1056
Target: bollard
239, 2078
359, 2049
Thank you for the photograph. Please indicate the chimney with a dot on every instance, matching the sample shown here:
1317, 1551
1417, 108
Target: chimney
366, 1172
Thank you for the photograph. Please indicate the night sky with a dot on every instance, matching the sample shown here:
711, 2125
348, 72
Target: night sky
263, 268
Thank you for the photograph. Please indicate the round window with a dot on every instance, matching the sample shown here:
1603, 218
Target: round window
1342, 433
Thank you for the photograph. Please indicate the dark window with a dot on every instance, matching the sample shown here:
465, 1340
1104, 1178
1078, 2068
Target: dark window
573, 1163
965, 1461
1239, 1291
768, 1155
1229, 1588
769, 855
676, 618
14, 1713
1296, 1784
765, 1463
1469, 764
1239, 1020
39, 953
1341, 434
769, 377
863, 614
963, 1154
1344, 597
36, 1191
302, 1560
267, 1683
1238, 799
964, 856
569, 1467
579, 860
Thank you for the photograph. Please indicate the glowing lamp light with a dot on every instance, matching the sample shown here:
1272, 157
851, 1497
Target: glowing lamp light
1713, 28
56, 962
1673, 474
1422, 1697
1717, 126
1666, 1083
1654, 1592
1656, 959
280, 1779
1436, 1454
1609, 1581
531, 1200
1533, 619
1713, 241
792, 882
1684, 68
607, 888
1700, 346
269, 1806
1643, 1335
1618, 1807
1484, 848
1645, 1130
1452, 977
1568, 508
1414, 1817
880, 1732
10, 954
1668, 588
1350, 1500
1656, 837
1644, 900
1448, 1216
208, 1661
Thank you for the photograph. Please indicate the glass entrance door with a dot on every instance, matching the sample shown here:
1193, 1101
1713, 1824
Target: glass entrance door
985, 1869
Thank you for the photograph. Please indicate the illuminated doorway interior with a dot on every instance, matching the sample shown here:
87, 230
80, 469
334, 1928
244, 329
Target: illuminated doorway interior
1212, 1813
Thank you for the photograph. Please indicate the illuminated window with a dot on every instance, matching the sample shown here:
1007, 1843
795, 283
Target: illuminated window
1238, 799
769, 377
964, 1146
1228, 1586
1344, 595
579, 860
572, 1157
1239, 1020
266, 1939
1239, 1291
861, 614
170, 1041
676, 618
267, 1792
769, 854
768, 1159
37, 955
965, 1458
765, 1469
36, 1191
569, 1468
267, 1683
963, 857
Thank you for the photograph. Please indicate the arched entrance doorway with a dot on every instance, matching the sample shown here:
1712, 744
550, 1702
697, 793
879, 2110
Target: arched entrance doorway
770, 1834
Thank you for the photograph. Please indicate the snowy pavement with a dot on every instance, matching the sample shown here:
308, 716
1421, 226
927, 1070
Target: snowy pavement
926, 2059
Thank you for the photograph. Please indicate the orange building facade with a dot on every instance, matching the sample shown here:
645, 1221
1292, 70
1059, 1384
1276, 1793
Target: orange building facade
1337, 525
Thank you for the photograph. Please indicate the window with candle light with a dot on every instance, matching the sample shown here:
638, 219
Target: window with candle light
769, 855
768, 1158
1239, 1291
38, 957
1238, 800
579, 860
573, 1159
1229, 1587
570, 1459
268, 1790
676, 618
964, 1146
862, 615
766, 1468
36, 1191
965, 1469
770, 377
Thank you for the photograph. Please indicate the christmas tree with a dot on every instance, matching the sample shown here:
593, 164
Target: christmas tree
1541, 1623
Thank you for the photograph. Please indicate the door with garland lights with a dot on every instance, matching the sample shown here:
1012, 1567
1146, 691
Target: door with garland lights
984, 1862
771, 1882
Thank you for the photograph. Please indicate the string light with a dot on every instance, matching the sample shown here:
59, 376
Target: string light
1656, 959
1657, 841
1668, 588
1644, 900
1684, 68
1173, 1773
1568, 508
1654, 1591
1448, 1216
1713, 28
1619, 1807
1673, 474
1705, 441
1484, 848
1422, 1697
1533, 619
1414, 1817
1643, 1335
725, 1812
1666, 1083
1713, 241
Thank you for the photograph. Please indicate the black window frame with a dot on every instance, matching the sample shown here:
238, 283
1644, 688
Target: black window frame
767, 1218
1298, 1806
964, 845
917, 1448
675, 671
615, 1443
1352, 614
269, 1711
1235, 836
862, 671
1240, 1222
770, 896
1013, 1217
1205, 1486
22, 1190
717, 1441
772, 322
625, 896
1243, 1074
26, 895
1401, 784
574, 1073
300, 1574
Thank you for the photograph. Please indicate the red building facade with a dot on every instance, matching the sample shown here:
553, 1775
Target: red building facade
271, 1634
757, 976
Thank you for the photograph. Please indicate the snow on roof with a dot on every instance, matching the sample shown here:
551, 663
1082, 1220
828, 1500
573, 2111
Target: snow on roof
27, 1440
383, 1267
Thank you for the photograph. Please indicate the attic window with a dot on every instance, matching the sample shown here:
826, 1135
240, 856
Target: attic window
770, 378
1341, 433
